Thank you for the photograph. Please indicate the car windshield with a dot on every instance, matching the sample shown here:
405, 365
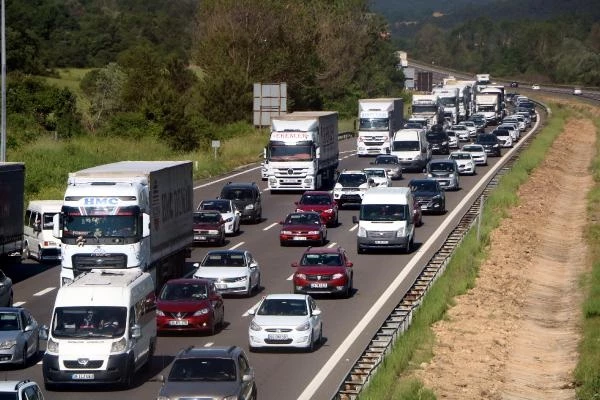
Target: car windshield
406, 145
352, 180
89, 322
386, 160
460, 156
488, 139
383, 212
302, 219
223, 259
283, 307
378, 173
203, 369
474, 149
200, 218
216, 205
237, 194
315, 199
10, 321
413, 125
423, 186
330, 259
183, 291
441, 167
459, 128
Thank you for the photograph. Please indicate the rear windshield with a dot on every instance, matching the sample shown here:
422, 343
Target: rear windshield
237, 194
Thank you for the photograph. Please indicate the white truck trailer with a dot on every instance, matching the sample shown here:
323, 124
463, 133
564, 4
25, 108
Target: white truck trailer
378, 119
426, 106
303, 151
488, 105
12, 187
128, 214
449, 102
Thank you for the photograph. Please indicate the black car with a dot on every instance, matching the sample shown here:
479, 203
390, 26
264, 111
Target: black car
247, 199
479, 122
391, 164
438, 141
514, 84
528, 106
428, 195
490, 144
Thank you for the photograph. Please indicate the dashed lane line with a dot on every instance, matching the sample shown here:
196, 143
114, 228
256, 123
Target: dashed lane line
236, 246
332, 244
251, 308
353, 228
18, 303
43, 292
270, 226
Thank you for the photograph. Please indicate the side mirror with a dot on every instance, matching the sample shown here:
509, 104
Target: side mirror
296, 202
57, 225
44, 332
280, 222
251, 311
318, 153
145, 225
316, 312
28, 328
349, 264
294, 265
354, 219
264, 152
37, 227
247, 378
196, 265
160, 378
135, 331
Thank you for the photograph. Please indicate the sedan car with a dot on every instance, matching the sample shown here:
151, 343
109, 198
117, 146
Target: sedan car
209, 227
477, 152
19, 336
391, 164
285, 320
429, 195
6, 290
490, 143
452, 139
189, 305
471, 127
302, 227
216, 372
232, 271
464, 159
25, 389
321, 202
577, 92
323, 270
231, 215
445, 172
462, 132
379, 176
505, 137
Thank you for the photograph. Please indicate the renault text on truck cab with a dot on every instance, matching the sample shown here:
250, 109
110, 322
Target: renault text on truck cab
38, 241
103, 329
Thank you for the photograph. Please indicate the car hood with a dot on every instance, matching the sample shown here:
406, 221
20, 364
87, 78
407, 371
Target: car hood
206, 226
379, 180
220, 272
181, 306
9, 334
290, 321
199, 389
425, 193
320, 269
303, 227
314, 207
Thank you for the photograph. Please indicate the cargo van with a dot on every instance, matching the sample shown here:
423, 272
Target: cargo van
102, 330
411, 148
38, 241
386, 220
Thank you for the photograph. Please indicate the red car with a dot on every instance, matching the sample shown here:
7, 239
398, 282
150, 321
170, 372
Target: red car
209, 227
324, 270
321, 202
302, 227
189, 305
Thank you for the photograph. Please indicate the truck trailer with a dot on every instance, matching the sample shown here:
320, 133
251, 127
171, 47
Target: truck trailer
488, 105
128, 214
12, 188
303, 151
378, 119
426, 106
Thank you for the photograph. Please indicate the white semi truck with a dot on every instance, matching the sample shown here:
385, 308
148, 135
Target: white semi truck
489, 106
128, 214
449, 102
378, 119
12, 185
465, 96
426, 106
303, 151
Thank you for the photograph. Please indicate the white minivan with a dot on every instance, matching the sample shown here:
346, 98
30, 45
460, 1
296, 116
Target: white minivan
38, 241
102, 330
386, 220
411, 148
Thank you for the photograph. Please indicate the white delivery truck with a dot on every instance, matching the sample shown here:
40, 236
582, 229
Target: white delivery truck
488, 105
411, 148
129, 214
386, 220
303, 152
449, 102
102, 329
38, 241
378, 119
426, 106
12, 188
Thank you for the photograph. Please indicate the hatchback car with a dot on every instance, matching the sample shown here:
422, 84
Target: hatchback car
209, 227
231, 215
471, 127
285, 320
246, 197
390, 163
445, 172
466, 164
233, 271
6, 290
303, 227
535, 87
505, 137
217, 372
462, 132
324, 270
19, 336
20, 390
490, 143
429, 195
477, 152
379, 176
321, 202
189, 305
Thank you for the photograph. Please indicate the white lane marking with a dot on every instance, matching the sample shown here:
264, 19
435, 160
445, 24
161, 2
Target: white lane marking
236, 246
353, 228
289, 278
228, 177
270, 226
18, 303
415, 262
251, 308
43, 292
332, 244
209, 344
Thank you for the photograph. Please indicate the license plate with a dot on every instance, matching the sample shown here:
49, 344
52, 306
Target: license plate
199, 237
221, 285
381, 242
83, 376
288, 180
277, 336
318, 285
442, 183
182, 322
299, 238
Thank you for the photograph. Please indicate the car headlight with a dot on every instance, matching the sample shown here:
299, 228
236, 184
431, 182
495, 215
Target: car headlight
417, 157
119, 346
163, 398
429, 175
329, 210
213, 232
200, 312
400, 232
314, 232
362, 232
304, 327
8, 344
338, 276
286, 232
300, 276
51, 346
254, 326
249, 207
234, 397
496, 145
444, 143
436, 197
241, 279
160, 313
229, 219
298, 210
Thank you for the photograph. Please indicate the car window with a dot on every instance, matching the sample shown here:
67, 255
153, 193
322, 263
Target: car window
352, 180
283, 307
207, 217
238, 194
422, 186
183, 292
302, 219
224, 260
10, 321
203, 369
315, 199
243, 363
331, 259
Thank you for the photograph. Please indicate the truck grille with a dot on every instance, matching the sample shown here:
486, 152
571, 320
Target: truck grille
319, 277
381, 234
87, 262
74, 364
290, 172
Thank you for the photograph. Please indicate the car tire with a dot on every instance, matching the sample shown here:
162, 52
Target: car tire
222, 240
410, 245
23, 363
127, 381
282, 243
50, 387
254, 394
311, 346
257, 287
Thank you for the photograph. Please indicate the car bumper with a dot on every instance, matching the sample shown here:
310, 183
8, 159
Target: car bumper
115, 370
200, 238
300, 238
466, 170
265, 339
249, 215
387, 243
50, 254
169, 324
9, 356
324, 287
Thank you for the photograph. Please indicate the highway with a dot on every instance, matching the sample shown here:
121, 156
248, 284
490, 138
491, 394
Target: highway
280, 374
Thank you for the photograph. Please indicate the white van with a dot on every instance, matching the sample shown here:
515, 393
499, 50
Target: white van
411, 148
38, 241
386, 219
103, 328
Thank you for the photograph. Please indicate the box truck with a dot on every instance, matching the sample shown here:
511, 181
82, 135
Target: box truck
128, 214
378, 119
426, 106
303, 152
12, 188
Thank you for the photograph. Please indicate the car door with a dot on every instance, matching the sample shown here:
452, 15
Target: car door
31, 334
217, 301
254, 269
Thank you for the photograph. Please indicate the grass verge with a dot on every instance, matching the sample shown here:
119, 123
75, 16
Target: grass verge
415, 346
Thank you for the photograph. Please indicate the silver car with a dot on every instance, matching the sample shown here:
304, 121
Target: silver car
390, 163
233, 271
19, 336
445, 172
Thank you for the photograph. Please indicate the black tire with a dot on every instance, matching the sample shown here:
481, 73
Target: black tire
254, 394
50, 387
222, 240
282, 243
410, 245
360, 250
24, 361
128, 378
311, 346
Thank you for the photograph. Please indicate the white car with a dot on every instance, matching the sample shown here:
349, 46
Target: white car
577, 92
464, 159
233, 271
25, 389
351, 186
505, 136
452, 139
379, 176
477, 152
535, 87
513, 128
230, 214
472, 128
462, 132
285, 320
